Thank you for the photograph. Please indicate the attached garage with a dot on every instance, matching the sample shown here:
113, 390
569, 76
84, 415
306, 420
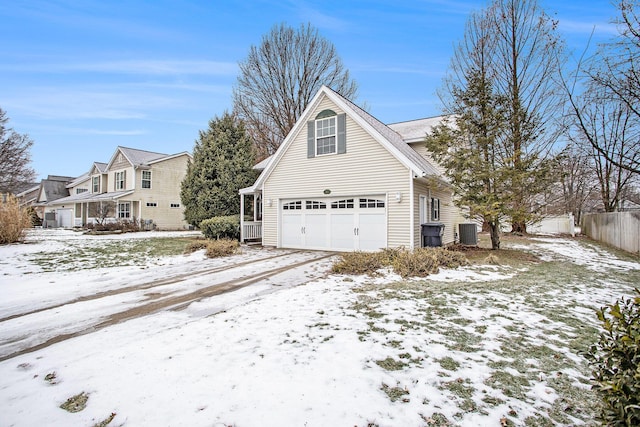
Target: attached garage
339, 224
343, 181
65, 218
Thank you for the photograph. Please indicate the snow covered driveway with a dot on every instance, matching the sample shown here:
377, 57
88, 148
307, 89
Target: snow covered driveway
42, 308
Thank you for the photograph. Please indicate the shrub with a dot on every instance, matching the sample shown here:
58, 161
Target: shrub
616, 362
221, 227
13, 221
417, 263
123, 225
222, 247
359, 263
195, 245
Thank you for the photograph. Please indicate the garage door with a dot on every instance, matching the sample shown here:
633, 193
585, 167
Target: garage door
65, 217
344, 224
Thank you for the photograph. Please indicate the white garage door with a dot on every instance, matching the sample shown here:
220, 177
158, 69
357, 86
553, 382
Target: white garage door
64, 217
345, 224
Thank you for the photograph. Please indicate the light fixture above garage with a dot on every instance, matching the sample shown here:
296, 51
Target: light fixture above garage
398, 197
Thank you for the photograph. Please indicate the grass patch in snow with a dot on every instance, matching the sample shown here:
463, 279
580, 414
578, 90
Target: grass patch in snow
526, 332
395, 393
76, 403
77, 255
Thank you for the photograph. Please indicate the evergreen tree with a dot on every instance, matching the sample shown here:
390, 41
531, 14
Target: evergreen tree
223, 158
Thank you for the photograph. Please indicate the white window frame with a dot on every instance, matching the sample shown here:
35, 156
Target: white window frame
144, 180
123, 210
120, 180
435, 209
95, 184
81, 190
323, 132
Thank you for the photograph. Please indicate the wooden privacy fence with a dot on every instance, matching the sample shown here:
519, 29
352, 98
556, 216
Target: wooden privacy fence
619, 229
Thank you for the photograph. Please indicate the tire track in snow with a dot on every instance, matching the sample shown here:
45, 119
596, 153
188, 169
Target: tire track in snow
175, 302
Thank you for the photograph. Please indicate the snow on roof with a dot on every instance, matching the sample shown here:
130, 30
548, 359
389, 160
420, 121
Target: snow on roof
416, 130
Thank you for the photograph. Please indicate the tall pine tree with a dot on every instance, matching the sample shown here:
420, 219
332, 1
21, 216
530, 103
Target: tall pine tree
223, 159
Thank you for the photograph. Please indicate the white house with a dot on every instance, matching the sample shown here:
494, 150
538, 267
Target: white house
342, 180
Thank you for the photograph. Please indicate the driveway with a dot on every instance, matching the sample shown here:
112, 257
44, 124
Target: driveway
40, 316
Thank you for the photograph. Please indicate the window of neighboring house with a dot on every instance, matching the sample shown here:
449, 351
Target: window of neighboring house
326, 136
95, 183
81, 190
124, 210
435, 209
175, 205
146, 179
120, 178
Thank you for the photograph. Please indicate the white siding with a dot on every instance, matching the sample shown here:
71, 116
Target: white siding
449, 214
366, 169
166, 179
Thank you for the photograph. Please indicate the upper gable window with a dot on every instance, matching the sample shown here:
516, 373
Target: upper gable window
120, 180
95, 184
327, 134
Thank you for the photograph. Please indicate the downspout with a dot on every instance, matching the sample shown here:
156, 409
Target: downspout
412, 227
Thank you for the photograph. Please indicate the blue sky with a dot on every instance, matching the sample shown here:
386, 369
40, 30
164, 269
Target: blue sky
82, 77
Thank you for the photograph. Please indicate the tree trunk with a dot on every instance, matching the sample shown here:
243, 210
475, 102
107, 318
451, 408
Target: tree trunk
494, 230
519, 227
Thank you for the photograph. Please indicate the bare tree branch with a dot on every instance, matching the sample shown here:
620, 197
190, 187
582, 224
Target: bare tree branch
280, 77
15, 158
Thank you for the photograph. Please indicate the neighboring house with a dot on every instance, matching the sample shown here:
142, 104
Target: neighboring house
344, 181
50, 190
134, 185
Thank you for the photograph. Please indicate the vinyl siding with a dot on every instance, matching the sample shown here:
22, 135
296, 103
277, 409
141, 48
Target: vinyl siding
367, 168
449, 213
166, 179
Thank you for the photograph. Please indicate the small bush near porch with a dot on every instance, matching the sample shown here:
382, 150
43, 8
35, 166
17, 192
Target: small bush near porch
221, 227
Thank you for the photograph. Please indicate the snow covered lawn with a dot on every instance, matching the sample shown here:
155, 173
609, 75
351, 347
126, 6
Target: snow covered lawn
480, 345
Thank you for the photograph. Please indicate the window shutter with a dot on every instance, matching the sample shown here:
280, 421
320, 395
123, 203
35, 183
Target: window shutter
342, 133
311, 139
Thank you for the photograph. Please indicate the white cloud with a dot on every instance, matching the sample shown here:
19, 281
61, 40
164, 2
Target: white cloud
134, 66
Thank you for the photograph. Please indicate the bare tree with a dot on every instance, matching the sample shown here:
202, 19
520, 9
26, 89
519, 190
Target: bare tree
608, 130
15, 157
612, 95
577, 188
527, 59
279, 78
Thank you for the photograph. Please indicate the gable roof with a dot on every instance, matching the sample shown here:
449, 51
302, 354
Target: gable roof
52, 189
140, 157
135, 157
416, 130
386, 136
79, 180
100, 167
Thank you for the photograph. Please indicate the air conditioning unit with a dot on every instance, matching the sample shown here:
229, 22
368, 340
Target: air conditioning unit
468, 234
